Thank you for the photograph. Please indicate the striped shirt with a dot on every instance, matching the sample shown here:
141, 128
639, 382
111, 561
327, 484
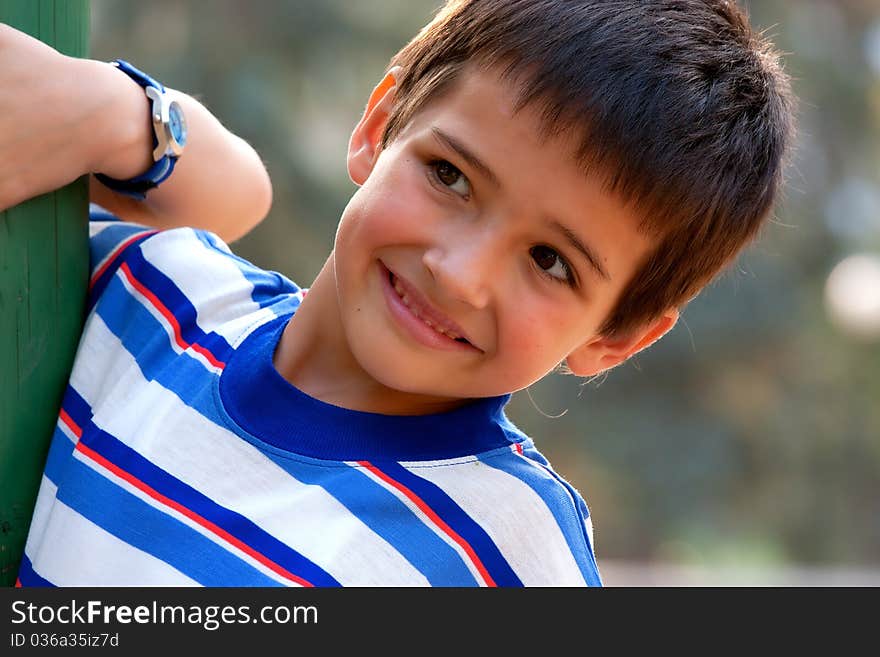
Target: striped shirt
181, 457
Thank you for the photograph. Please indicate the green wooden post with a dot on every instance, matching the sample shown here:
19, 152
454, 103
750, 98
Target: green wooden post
43, 283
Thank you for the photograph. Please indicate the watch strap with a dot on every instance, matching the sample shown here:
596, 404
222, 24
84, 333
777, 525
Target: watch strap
138, 186
137, 75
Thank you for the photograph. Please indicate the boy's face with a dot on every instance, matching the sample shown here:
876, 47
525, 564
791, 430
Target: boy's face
469, 221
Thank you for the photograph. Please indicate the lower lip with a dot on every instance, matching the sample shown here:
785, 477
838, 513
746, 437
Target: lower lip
412, 325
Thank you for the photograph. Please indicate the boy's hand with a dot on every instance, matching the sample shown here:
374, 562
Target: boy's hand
54, 119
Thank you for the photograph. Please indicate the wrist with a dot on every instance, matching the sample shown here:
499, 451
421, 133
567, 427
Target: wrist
169, 133
122, 133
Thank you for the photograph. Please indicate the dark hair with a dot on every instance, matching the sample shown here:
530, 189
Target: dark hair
684, 111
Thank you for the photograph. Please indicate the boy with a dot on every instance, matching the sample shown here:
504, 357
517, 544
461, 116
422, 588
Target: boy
539, 182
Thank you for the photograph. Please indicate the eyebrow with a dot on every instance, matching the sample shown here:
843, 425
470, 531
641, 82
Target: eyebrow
582, 248
468, 156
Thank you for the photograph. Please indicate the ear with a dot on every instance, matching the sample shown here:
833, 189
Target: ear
363, 146
602, 353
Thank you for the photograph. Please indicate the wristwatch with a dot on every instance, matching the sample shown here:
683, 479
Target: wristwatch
169, 136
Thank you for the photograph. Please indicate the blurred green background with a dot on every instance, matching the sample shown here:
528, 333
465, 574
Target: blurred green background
744, 447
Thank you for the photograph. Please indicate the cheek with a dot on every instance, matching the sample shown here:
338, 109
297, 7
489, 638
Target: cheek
540, 337
390, 207
527, 344
526, 337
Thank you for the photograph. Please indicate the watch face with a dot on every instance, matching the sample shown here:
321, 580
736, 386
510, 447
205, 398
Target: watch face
177, 123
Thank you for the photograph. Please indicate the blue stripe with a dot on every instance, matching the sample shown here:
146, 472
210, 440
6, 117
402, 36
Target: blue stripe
146, 528
97, 213
177, 303
147, 342
268, 285
76, 407
568, 508
388, 517
106, 241
136, 522
29, 577
100, 246
235, 524
533, 454
460, 522
60, 451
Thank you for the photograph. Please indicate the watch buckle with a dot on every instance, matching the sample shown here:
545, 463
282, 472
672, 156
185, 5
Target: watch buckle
161, 117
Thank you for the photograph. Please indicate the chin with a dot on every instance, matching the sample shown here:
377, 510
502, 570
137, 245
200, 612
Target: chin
408, 376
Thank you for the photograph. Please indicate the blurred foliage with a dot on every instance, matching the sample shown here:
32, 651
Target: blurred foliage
751, 433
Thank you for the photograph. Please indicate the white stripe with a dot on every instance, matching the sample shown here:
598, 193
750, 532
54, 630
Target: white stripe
229, 470
42, 513
588, 525
45, 499
586, 522
412, 506
98, 227
67, 431
76, 552
211, 281
204, 360
441, 463
531, 542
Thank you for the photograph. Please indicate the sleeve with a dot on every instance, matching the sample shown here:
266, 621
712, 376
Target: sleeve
187, 279
110, 239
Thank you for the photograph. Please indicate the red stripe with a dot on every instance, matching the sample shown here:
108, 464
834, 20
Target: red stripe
419, 502
207, 354
518, 447
153, 299
17, 583
204, 522
113, 255
169, 317
73, 426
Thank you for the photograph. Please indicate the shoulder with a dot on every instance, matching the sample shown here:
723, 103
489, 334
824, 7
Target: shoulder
538, 522
194, 262
557, 519
532, 475
111, 238
182, 283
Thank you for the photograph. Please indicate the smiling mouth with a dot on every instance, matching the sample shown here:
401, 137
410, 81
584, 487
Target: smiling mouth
413, 308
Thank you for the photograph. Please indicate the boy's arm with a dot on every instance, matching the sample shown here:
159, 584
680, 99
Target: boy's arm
62, 117
219, 183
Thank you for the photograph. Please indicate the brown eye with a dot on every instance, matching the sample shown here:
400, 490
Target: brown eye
447, 173
448, 176
552, 264
544, 256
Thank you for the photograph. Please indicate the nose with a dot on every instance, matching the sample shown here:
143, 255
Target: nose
463, 268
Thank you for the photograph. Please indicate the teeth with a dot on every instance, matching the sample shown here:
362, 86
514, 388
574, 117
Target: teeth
406, 302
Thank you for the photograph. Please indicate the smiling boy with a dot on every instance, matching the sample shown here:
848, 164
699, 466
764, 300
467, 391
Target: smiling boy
539, 183
469, 300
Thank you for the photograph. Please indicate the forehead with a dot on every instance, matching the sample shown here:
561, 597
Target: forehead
479, 100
